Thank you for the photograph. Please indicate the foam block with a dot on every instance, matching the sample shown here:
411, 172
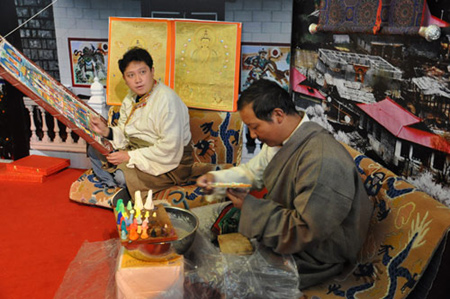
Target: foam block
141, 279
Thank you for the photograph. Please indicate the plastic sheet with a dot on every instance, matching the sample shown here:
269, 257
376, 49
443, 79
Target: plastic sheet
208, 273
212, 274
91, 273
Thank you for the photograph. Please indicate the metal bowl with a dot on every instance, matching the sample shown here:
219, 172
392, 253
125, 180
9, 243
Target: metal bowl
186, 224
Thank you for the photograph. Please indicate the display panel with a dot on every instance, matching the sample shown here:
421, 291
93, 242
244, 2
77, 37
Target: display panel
198, 59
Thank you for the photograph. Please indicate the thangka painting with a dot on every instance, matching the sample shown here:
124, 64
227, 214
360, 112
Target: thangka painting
88, 59
265, 61
154, 35
198, 59
49, 94
207, 64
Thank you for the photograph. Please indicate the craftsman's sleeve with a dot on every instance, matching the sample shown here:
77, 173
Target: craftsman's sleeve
250, 172
320, 204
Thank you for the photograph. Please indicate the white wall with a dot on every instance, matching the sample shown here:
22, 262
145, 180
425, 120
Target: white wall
86, 19
262, 21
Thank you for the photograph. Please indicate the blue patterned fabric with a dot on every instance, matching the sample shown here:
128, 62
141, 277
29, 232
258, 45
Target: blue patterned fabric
348, 16
371, 16
401, 16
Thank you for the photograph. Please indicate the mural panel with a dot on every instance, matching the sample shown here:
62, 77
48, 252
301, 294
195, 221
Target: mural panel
382, 85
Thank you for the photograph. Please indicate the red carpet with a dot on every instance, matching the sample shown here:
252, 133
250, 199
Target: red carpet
42, 231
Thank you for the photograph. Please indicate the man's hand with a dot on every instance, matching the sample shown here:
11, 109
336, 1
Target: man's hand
205, 182
118, 157
237, 195
98, 126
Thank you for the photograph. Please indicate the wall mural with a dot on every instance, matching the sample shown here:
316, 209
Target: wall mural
385, 94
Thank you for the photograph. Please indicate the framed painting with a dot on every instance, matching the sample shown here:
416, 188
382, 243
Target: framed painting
265, 60
198, 59
88, 58
206, 64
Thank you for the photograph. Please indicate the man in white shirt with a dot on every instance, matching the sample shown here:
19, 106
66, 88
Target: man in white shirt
316, 207
152, 137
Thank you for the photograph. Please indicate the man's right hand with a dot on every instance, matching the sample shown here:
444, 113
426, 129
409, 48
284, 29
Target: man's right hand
98, 126
205, 182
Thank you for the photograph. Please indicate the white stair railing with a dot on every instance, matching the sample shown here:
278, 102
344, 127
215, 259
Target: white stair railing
55, 139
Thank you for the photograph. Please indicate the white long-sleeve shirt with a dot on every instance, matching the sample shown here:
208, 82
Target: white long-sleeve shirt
252, 171
163, 122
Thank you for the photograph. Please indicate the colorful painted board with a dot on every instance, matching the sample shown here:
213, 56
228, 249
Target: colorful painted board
49, 94
198, 59
126, 33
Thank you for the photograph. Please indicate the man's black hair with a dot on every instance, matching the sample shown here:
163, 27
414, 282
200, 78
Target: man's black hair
266, 95
135, 54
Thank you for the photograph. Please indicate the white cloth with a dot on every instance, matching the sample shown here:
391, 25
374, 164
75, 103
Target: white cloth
163, 122
252, 171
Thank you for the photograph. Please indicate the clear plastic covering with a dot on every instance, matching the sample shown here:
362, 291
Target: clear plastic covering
208, 273
91, 273
212, 274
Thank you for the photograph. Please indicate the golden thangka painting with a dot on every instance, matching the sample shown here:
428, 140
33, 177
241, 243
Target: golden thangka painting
198, 59
206, 68
154, 35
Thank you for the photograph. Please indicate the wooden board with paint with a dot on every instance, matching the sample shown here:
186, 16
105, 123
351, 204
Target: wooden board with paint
51, 95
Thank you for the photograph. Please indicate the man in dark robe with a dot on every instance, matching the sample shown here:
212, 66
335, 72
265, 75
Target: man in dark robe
316, 207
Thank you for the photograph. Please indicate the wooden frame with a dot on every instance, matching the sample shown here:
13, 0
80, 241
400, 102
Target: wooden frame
51, 95
88, 58
273, 65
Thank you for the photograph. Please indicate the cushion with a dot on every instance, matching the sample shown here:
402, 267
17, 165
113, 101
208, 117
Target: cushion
216, 136
88, 190
217, 144
406, 229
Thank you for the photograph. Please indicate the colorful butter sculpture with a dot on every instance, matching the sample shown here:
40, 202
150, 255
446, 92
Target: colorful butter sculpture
143, 224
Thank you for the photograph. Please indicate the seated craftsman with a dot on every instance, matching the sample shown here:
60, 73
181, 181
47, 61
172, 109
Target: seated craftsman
316, 207
152, 135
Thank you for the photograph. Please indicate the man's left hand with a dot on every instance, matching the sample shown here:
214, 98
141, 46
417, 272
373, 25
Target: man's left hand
118, 157
237, 195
